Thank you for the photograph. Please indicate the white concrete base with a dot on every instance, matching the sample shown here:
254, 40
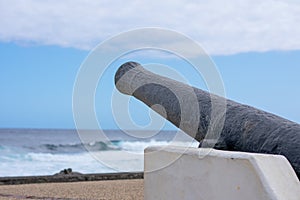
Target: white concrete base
207, 174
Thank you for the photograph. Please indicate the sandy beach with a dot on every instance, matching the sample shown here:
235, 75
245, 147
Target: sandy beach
90, 190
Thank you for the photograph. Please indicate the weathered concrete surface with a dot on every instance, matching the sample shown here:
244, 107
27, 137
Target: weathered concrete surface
245, 128
217, 175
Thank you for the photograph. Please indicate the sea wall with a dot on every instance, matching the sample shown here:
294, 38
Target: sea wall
193, 173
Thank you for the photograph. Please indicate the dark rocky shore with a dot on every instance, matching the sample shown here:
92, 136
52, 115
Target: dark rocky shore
69, 176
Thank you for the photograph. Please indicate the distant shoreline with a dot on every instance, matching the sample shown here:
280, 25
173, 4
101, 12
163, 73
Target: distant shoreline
70, 178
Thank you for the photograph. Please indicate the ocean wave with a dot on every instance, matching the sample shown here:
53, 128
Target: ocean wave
135, 146
45, 152
48, 159
72, 148
48, 164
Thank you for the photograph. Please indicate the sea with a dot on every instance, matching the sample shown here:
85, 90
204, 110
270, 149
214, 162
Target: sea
32, 152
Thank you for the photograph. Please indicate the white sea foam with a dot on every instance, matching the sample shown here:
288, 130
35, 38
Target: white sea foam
129, 157
48, 152
48, 164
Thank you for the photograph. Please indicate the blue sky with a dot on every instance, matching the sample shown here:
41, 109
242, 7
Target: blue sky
37, 83
256, 50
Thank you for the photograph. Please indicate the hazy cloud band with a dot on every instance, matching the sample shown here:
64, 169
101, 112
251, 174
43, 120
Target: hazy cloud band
222, 27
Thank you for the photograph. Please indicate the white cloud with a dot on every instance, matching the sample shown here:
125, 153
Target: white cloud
223, 27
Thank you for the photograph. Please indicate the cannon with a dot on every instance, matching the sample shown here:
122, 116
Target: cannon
198, 113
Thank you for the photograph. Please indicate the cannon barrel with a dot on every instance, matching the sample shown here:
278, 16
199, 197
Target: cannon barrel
244, 128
